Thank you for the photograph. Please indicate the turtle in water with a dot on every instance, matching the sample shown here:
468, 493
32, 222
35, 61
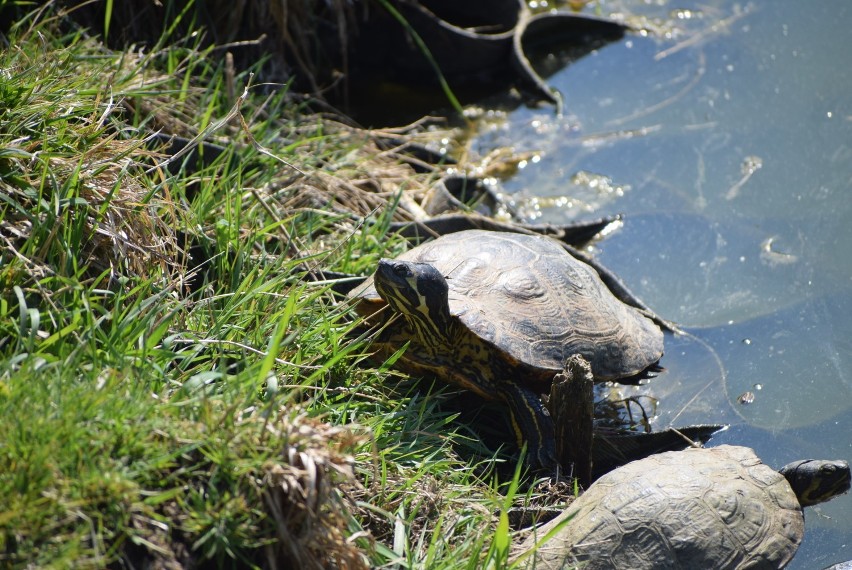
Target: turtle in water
499, 313
714, 507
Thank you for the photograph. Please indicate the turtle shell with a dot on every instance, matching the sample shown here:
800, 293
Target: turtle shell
530, 299
699, 508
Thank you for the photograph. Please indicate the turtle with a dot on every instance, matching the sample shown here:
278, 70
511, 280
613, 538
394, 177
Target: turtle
718, 507
499, 313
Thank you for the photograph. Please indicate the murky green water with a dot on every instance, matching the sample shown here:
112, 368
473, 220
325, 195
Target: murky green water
728, 149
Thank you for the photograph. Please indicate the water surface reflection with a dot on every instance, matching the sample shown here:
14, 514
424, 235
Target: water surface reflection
730, 156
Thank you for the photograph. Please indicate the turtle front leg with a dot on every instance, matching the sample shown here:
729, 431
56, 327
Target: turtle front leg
572, 407
531, 423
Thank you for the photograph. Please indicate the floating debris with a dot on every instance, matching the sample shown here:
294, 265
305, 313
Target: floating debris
750, 165
746, 398
772, 257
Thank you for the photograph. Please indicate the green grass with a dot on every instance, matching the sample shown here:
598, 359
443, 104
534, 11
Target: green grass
232, 420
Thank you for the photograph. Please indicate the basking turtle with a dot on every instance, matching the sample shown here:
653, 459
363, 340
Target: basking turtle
498, 313
718, 508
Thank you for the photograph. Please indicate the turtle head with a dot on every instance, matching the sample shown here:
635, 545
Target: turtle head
815, 481
419, 292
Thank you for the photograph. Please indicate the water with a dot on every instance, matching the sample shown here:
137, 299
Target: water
728, 149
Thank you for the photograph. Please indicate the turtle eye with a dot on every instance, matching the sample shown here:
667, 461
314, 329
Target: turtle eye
401, 271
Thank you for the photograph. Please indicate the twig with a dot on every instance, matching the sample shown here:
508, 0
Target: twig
716, 28
699, 73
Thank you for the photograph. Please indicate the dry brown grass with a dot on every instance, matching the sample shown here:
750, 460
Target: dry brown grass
303, 38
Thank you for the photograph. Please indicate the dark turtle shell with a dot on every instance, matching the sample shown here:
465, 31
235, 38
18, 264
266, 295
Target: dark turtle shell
535, 303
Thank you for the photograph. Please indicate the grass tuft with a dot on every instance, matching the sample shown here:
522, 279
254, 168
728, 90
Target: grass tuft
177, 387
